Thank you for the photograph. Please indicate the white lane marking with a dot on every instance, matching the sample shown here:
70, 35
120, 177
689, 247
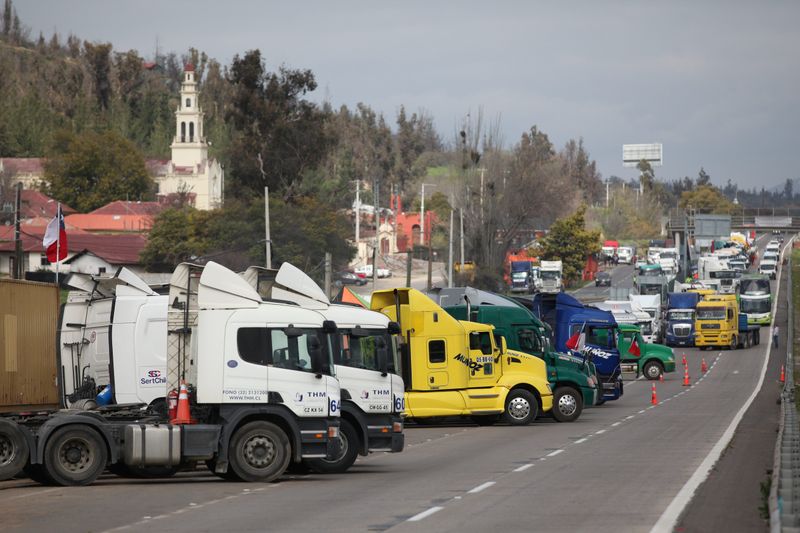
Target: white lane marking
425, 514
735, 371
27, 494
629, 417
523, 468
481, 487
579, 441
669, 518
642, 411
554, 453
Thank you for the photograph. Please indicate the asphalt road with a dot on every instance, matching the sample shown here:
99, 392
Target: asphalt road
620, 467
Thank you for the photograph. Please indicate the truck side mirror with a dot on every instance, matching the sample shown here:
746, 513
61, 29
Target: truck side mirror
329, 326
503, 345
318, 362
382, 356
394, 328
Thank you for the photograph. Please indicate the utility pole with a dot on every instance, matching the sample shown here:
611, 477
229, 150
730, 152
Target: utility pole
408, 268
461, 233
422, 214
483, 170
377, 241
17, 236
328, 273
430, 265
358, 212
268, 242
607, 183
450, 254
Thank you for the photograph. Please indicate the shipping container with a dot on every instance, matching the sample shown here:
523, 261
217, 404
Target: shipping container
28, 325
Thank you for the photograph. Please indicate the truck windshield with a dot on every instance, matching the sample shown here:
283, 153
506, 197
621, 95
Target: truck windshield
759, 305
680, 315
550, 274
767, 267
645, 328
361, 351
649, 289
723, 274
519, 276
520, 266
710, 313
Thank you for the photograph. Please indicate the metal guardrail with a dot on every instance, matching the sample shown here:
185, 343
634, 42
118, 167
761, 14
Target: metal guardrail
784, 497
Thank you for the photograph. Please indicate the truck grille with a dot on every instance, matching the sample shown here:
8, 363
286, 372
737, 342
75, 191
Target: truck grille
709, 326
682, 330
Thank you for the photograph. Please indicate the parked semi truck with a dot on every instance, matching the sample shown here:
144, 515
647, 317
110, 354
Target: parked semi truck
652, 361
263, 396
566, 316
719, 323
755, 299
366, 364
680, 318
572, 379
456, 368
552, 276
524, 277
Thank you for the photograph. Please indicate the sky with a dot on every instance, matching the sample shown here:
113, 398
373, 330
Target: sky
716, 82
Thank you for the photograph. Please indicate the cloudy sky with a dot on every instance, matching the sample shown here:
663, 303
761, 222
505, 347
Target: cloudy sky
717, 82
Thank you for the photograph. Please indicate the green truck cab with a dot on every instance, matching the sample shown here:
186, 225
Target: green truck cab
573, 380
653, 360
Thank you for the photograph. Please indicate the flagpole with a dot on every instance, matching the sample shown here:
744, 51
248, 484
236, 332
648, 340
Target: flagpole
58, 240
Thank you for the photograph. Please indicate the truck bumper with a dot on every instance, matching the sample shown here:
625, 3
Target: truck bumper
319, 437
669, 366
714, 339
679, 341
547, 403
590, 395
385, 433
612, 389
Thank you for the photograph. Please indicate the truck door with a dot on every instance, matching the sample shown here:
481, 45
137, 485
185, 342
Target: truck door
481, 363
442, 364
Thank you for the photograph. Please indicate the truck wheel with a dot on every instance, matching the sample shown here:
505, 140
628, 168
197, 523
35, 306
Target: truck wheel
521, 408
259, 451
567, 404
75, 455
37, 473
349, 452
653, 370
13, 450
734, 343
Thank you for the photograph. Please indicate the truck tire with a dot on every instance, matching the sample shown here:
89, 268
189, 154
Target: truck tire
734, 343
521, 408
652, 370
567, 404
350, 445
259, 451
13, 450
75, 455
37, 473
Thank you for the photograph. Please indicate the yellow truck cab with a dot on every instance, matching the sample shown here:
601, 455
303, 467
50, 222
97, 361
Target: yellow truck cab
455, 368
718, 323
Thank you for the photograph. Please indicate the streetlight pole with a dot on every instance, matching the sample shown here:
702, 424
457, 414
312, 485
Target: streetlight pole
422, 214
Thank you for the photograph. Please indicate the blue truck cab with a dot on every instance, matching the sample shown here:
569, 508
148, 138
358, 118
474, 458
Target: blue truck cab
566, 316
680, 318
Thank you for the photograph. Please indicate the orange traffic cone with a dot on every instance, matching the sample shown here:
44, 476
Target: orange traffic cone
184, 415
661, 377
703, 366
685, 377
783, 374
653, 397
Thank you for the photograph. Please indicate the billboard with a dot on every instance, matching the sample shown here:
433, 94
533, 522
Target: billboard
633, 153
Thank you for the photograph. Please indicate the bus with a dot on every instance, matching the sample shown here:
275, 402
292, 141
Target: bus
755, 299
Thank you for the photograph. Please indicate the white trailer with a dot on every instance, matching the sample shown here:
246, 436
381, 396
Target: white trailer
552, 276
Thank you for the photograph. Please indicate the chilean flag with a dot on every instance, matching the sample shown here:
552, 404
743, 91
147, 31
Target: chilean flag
55, 238
577, 341
634, 348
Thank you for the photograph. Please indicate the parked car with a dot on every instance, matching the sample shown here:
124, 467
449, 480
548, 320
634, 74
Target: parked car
348, 278
366, 270
602, 279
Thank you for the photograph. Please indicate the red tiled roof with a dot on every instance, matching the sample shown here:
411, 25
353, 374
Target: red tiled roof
123, 249
39, 224
116, 223
23, 165
37, 204
121, 207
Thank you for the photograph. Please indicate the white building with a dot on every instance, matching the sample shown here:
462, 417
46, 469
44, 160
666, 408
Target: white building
190, 170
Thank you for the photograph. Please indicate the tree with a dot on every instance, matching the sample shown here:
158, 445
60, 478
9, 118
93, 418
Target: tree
90, 170
706, 199
569, 241
177, 235
788, 190
279, 135
646, 176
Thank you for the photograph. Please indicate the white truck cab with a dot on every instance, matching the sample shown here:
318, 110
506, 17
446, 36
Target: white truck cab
366, 361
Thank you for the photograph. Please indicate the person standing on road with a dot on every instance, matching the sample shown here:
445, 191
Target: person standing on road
775, 333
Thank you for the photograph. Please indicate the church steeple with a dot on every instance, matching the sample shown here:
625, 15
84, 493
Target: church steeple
189, 146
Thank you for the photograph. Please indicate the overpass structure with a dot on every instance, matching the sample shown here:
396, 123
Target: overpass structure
759, 219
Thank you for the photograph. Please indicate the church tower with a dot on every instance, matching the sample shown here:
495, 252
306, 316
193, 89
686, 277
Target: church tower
189, 147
